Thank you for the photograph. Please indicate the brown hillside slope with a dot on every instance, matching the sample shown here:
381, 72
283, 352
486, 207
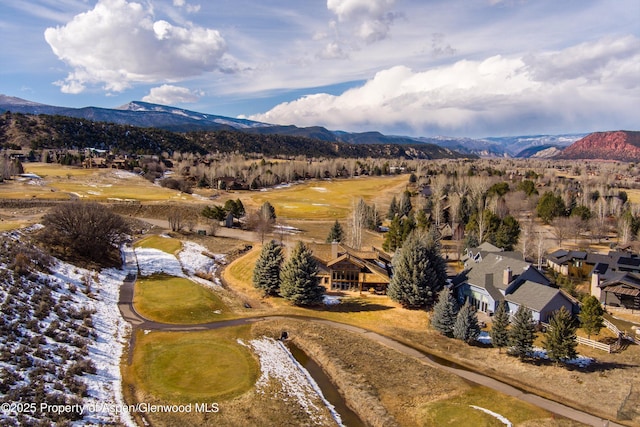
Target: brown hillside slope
616, 145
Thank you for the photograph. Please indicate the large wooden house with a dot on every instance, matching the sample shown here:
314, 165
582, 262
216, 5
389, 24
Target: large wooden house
345, 269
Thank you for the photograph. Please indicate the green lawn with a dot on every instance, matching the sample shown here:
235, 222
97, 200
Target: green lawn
165, 244
177, 300
203, 366
458, 411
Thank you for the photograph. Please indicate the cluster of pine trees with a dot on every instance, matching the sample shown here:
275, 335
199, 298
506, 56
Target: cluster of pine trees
295, 279
452, 322
519, 333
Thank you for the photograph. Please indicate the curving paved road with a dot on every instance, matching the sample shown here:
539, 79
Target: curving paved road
129, 313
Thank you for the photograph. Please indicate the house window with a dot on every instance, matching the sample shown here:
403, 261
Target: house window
345, 279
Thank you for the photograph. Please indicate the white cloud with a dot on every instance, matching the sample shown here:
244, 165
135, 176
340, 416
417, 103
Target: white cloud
565, 90
348, 9
333, 50
170, 95
191, 8
366, 20
118, 43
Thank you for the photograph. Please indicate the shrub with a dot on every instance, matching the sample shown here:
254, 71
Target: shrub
87, 230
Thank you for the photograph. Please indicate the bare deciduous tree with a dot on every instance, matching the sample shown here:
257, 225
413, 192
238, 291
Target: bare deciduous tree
540, 239
356, 223
86, 229
176, 219
560, 229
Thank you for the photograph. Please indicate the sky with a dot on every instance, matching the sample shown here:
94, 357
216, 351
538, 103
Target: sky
470, 68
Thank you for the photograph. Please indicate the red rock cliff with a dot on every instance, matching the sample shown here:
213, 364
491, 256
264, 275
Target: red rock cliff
617, 145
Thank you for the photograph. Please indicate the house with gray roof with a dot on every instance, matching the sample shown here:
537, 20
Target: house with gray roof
615, 276
498, 276
618, 290
581, 263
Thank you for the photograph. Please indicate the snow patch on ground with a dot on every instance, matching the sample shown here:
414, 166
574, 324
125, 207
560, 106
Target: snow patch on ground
193, 259
152, 261
580, 361
541, 353
106, 350
78, 289
330, 299
502, 419
277, 362
124, 174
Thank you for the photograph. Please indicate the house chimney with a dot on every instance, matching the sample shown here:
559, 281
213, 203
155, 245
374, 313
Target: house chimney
596, 291
507, 276
334, 250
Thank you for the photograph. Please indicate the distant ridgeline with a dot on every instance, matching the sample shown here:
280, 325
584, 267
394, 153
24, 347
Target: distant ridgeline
37, 132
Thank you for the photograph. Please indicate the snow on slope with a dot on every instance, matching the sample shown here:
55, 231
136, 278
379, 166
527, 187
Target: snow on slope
62, 339
191, 260
276, 362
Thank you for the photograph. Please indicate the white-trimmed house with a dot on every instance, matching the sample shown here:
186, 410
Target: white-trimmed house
498, 276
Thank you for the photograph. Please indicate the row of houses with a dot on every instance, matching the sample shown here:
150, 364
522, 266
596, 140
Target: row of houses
615, 277
492, 275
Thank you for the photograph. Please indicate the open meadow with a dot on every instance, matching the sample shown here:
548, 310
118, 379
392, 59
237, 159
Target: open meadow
329, 199
58, 182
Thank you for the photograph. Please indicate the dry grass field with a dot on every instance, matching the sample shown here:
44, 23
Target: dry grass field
65, 183
386, 387
329, 200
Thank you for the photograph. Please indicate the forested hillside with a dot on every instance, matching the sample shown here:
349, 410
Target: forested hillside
59, 132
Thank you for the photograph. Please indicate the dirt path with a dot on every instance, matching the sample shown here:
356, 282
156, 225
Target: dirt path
139, 322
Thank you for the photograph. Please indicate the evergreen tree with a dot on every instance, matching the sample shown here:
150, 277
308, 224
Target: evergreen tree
522, 333
336, 234
499, 333
419, 272
216, 212
528, 186
560, 338
591, 316
266, 274
422, 220
234, 207
443, 317
466, 327
300, 283
268, 211
393, 208
507, 234
404, 208
550, 206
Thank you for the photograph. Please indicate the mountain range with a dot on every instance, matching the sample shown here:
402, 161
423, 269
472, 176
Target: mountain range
143, 114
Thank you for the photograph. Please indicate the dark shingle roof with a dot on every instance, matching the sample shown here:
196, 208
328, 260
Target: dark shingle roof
496, 264
533, 295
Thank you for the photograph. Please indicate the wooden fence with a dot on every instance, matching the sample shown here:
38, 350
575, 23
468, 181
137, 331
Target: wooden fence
594, 344
613, 328
585, 341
